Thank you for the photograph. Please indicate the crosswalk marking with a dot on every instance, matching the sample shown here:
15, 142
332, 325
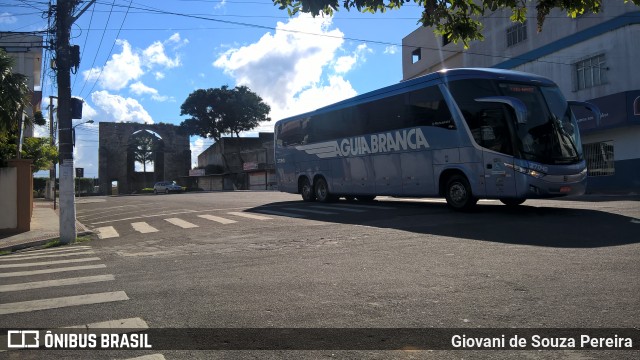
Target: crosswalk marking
55, 250
338, 207
107, 232
143, 227
11, 258
129, 324
281, 213
54, 283
46, 263
218, 219
49, 271
148, 357
181, 223
54, 303
319, 212
250, 216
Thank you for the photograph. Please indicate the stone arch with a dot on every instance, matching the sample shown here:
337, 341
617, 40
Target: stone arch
172, 157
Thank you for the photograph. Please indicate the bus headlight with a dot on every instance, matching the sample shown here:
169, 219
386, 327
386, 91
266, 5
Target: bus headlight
536, 174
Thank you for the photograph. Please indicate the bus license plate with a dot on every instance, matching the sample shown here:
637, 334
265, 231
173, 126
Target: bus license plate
565, 189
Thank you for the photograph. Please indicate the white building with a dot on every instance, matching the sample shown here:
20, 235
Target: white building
592, 58
26, 50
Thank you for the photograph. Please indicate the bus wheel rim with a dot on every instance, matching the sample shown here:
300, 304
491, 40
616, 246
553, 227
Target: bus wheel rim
458, 193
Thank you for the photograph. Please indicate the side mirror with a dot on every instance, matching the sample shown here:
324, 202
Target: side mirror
516, 104
589, 106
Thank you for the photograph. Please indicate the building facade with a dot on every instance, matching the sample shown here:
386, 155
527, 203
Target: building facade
591, 58
26, 51
244, 163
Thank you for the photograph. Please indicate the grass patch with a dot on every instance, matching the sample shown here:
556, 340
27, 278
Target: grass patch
52, 243
4, 252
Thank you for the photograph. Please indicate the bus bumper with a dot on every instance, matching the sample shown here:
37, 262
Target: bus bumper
540, 188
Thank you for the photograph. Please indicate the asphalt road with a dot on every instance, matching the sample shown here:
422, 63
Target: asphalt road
268, 260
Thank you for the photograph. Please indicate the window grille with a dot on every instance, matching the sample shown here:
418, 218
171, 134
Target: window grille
599, 158
516, 34
590, 72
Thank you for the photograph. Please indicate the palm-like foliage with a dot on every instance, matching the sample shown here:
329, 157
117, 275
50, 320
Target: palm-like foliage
14, 94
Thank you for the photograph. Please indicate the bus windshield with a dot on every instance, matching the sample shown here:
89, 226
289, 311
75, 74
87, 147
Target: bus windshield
551, 134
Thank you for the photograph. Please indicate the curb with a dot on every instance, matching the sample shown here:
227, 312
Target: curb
39, 242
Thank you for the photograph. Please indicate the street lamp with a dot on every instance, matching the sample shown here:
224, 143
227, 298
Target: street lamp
73, 130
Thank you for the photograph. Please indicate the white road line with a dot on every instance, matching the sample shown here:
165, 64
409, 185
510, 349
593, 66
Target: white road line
49, 271
143, 227
47, 251
46, 263
281, 213
250, 216
148, 357
181, 223
55, 303
107, 232
310, 211
46, 256
165, 214
338, 207
54, 283
131, 323
218, 219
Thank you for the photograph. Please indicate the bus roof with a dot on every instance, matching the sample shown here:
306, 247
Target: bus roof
441, 76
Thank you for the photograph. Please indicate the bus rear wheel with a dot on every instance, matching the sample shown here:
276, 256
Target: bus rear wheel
458, 193
306, 190
512, 201
322, 191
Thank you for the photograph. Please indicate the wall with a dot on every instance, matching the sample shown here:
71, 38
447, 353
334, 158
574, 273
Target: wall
8, 200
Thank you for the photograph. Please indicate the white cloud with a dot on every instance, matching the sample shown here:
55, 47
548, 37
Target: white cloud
131, 64
391, 49
119, 70
7, 18
290, 69
220, 5
139, 88
120, 109
155, 55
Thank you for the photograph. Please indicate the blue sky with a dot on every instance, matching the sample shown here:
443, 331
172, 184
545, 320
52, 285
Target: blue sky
141, 59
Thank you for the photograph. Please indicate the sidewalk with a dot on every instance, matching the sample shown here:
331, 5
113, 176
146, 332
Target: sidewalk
45, 226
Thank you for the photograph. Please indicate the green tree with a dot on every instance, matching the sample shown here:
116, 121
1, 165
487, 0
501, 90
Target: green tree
44, 154
219, 111
143, 147
39, 150
455, 19
14, 95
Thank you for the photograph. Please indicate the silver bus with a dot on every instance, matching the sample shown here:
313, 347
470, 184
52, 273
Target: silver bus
461, 134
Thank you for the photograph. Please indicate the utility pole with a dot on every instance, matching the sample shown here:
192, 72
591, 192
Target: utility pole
63, 65
52, 171
64, 21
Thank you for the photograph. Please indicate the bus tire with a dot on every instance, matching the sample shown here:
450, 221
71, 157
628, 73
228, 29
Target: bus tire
365, 198
458, 193
512, 201
306, 190
322, 191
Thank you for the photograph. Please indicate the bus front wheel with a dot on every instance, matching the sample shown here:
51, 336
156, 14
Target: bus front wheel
322, 191
306, 190
458, 193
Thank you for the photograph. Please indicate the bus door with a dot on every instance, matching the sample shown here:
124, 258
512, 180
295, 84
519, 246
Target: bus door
494, 136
